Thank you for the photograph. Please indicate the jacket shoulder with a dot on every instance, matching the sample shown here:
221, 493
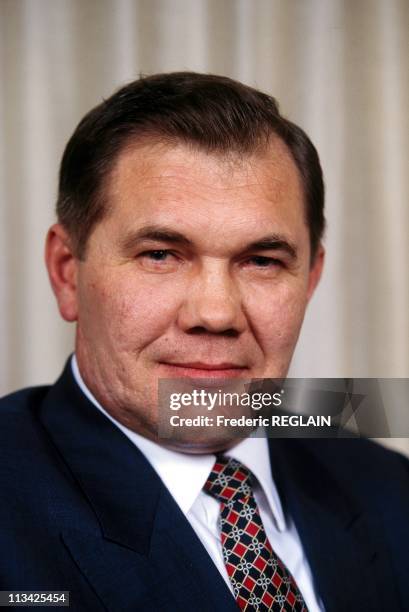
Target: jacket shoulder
21, 403
23, 398
19, 423
363, 467
361, 454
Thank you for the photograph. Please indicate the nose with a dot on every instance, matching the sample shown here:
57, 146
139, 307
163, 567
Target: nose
212, 303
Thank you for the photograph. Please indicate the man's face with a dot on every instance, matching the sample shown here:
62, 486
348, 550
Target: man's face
200, 267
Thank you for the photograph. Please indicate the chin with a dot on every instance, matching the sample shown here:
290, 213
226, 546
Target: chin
204, 447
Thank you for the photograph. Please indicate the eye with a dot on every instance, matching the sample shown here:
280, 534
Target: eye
262, 266
160, 255
260, 261
158, 260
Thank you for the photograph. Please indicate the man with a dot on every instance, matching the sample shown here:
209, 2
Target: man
188, 244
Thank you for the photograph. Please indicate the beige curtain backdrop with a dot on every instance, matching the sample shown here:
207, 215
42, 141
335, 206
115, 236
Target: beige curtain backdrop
339, 68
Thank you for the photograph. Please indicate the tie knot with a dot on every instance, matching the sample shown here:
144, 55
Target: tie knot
229, 481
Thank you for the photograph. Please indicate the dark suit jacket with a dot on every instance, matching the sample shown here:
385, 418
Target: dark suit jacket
82, 510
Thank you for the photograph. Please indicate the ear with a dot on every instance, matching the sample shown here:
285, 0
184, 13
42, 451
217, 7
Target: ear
62, 266
315, 271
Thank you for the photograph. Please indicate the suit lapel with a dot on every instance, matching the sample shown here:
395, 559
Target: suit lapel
133, 544
339, 538
176, 574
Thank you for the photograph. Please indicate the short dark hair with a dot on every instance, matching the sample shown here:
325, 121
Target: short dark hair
213, 112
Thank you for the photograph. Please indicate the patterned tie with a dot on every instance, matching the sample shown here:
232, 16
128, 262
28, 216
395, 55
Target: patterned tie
259, 578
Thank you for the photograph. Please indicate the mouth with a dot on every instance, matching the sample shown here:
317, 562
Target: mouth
199, 369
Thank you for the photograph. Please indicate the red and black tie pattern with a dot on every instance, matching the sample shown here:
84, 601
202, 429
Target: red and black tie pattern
259, 578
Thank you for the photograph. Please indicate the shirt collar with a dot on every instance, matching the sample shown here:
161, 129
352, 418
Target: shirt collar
177, 469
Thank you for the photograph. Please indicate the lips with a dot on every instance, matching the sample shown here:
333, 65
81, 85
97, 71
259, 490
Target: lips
198, 369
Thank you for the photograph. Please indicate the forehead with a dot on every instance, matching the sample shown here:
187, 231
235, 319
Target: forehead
187, 186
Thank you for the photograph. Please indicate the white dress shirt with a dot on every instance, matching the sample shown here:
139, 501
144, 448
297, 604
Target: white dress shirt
184, 475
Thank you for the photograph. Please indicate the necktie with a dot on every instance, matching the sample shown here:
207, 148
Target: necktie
259, 578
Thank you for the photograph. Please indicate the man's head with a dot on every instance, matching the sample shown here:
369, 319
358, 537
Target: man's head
207, 112
188, 244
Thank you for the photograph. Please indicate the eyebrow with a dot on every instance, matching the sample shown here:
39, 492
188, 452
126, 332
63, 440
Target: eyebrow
154, 233
271, 242
274, 242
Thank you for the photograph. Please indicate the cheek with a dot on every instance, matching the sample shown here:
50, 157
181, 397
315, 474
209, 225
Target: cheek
276, 315
126, 315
